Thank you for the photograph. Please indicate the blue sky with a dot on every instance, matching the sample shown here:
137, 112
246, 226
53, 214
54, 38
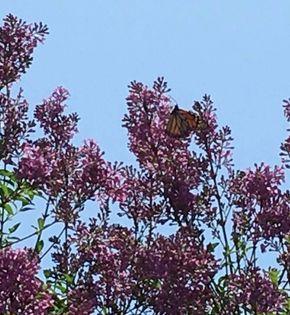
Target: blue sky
236, 51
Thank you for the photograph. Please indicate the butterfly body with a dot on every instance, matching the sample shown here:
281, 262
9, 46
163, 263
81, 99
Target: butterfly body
181, 123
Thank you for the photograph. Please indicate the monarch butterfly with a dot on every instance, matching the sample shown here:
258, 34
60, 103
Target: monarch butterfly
181, 123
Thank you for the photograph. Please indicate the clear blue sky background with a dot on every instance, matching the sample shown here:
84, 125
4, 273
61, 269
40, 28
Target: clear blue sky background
236, 51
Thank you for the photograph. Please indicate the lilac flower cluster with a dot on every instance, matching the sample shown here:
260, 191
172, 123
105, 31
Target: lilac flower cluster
69, 175
285, 146
21, 292
17, 42
15, 127
255, 292
262, 208
177, 273
171, 274
157, 153
37, 163
58, 127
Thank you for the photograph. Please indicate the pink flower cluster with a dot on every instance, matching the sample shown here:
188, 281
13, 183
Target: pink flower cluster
261, 207
140, 201
69, 175
58, 127
15, 126
176, 273
37, 163
75, 175
274, 220
284, 258
21, 292
255, 292
17, 43
171, 275
285, 146
217, 143
168, 167
260, 184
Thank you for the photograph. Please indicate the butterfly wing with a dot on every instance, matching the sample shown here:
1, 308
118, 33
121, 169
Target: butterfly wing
191, 119
177, 125
181, 123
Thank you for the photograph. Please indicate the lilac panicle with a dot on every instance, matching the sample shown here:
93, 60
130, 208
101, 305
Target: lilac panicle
15, 127
285, 146
21, 292
254, 291
69, 175
178, 272
36, 164
172, 273
17, 42
166, 161
261, 207
58, 127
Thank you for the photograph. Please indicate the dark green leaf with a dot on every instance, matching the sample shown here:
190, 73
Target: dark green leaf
8, 209
47, 273
4, 192
6, 173
274, 275
26, 209
61, 287
39, 246
40, 223
14, 228
69, 278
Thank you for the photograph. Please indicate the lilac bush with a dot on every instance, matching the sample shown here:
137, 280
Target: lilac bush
223, 221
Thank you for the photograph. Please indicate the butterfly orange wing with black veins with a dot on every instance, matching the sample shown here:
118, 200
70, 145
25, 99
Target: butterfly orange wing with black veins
181, 123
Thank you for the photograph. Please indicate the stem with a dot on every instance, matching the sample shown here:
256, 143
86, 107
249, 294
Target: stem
28, 236
220, 207
2, 228
2, 218
50, 247
237, 250
45, 216
66, 259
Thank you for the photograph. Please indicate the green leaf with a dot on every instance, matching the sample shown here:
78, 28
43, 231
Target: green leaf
30, 192
211, 247
6, 173
14, 228
13, 238
9, 182
105, 311
4, 192
24, 200
47, 273
69, 278
274, 275
61, 287
41, 222
39, 246
26, 209
8, 209
59, 306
